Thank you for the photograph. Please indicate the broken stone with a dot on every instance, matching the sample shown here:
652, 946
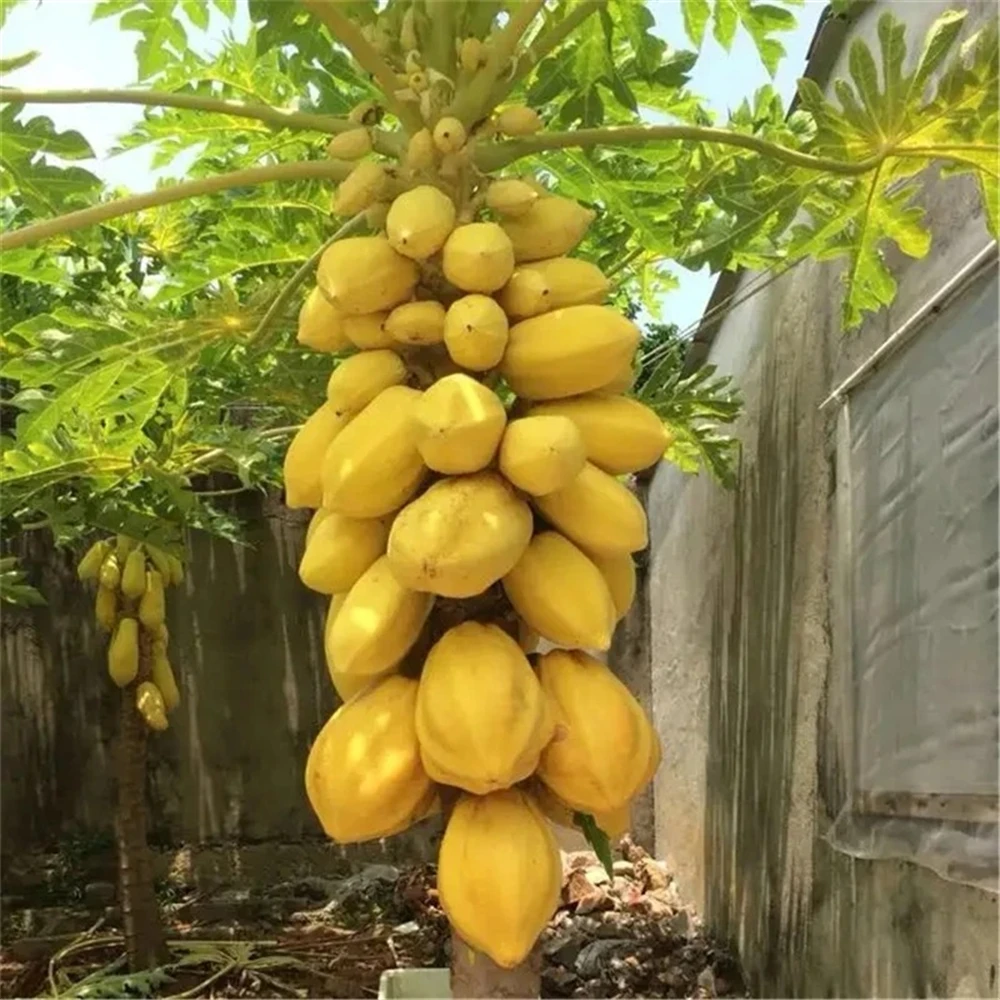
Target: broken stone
597, 900
706, 982
653, 873
410, 927
597, 953
623, 868
579, 859
680, 923
559, 980
577, 886
596, 875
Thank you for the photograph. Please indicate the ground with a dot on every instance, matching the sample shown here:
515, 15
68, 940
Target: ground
630, 936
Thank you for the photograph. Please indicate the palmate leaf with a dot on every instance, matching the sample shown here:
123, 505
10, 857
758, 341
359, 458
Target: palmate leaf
14, 588
761, 21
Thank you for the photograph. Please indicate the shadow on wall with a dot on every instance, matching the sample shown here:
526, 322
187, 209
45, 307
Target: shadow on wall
246, 643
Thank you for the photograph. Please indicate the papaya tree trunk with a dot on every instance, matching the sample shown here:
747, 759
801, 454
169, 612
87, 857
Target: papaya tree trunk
473, 974
144, 937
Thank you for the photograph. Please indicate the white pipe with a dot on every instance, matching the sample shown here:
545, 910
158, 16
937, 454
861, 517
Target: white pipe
896, 339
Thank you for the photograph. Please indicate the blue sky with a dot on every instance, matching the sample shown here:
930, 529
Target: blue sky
78, 53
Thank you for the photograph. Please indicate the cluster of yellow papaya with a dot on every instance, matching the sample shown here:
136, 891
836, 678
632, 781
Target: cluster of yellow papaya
471, 447
131, 578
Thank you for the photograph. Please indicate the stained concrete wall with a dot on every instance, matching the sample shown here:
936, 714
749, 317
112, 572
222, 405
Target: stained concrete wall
746, 679
246, 642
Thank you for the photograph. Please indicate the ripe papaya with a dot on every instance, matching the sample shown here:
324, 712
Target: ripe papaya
459, 425
89, 567
350, 145
552, 227
510, 197
596, 512
363, 274
163, 678
373, 466
133, 581
619, 574
462, 535
304, 458
449, 135
149, 702
541, 454
482, 719
568, 351
499, 873
620, 434
381, 790
160, 560
378, 622
362, 187
152, 606
420, 150
475, 332
561, 594
603, 755
368, 331
418, 324
614, 824
527, 294
315, 521
340, 550
518, 120
470, 54
570, 280
176, 570
123, 652
348, 685
622, 382
357, 380
419, 221
110, 575
123, 546
478, 257
321, 325
106, 608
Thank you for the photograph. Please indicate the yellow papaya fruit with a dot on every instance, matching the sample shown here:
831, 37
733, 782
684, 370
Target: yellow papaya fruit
459, 425
418, 324
568, 351
368, 332
373, 466
363, 274
350, 145
304, 458
527, 294
622, 382
475, 332
482, 719
340, 550
552, 227
618, 571
378, 622
357, 380
600, 757
510, 197
321, 326
362, 187
123, 546
348, 685
133, 581
541, 454
176, 570
614, 824
449, 135
110, 574
123, 653
478, 257
470, 54
315, 521
499, 874
149, 702
596, 512
152, 606
163, 678
570, 280
106, 608
620, 434
89, 567
420, 150
381, 790
419, 221
518, 120
462, 535
160, 560
561, 594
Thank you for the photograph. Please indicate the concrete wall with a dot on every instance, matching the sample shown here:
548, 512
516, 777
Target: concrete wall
246, 642
745, 676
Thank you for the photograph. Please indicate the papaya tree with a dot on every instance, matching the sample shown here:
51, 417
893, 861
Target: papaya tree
496, 198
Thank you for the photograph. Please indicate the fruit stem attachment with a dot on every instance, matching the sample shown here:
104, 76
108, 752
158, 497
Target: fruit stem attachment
350, 36
165, 99
491, 158
38, 231
281, 300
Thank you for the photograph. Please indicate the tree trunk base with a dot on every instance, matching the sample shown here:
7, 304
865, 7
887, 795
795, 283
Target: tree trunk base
475, 975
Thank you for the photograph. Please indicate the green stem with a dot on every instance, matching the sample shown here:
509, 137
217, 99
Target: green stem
281, 300
500, 155
166, 99
214, 453
38, 231
546, 42
349, 35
